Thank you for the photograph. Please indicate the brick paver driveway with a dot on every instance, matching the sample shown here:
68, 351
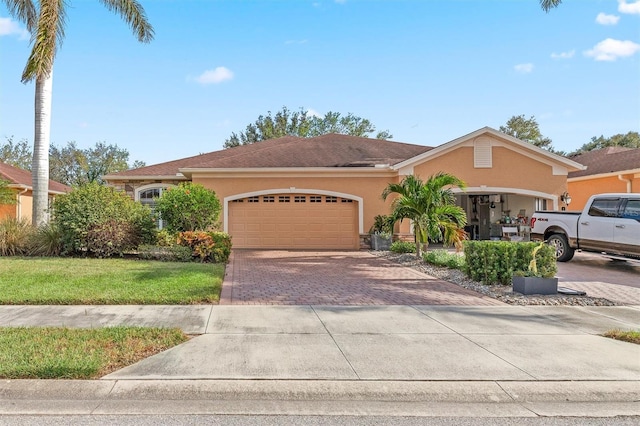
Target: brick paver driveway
274, 277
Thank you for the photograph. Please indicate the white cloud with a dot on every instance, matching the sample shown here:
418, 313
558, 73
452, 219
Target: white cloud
524, 68
630, 8
610, 49
563, 55
604, 19
10, 27
215, 76
313, 113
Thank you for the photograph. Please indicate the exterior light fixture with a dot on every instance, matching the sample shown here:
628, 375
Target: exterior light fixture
565, 198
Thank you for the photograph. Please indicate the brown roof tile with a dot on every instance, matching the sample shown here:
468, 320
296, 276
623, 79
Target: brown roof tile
332, 150
607, 160
18, 176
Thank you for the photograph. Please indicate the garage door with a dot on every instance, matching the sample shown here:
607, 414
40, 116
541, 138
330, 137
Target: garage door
300, 221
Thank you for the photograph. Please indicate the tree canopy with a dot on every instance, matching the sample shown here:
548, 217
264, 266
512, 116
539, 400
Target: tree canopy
302, 124
629, 140
527, 130
71, 165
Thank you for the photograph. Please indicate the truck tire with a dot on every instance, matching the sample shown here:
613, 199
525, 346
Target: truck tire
564, 253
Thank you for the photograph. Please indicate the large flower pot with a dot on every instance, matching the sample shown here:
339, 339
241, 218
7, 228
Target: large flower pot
378, 242
535, 285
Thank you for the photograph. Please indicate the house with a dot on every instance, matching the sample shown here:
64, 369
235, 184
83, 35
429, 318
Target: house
324, 192
19, 181
611, 169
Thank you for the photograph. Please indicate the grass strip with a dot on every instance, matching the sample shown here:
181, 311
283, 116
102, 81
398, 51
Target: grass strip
631, 336
64, 353
82, 281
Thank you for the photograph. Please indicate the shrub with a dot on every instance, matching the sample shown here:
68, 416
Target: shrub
444, 258
208, 246
165, 253
46, 240
403, 247
189, 207
111, 237
89, 208
167, 239
15, 235
497, 261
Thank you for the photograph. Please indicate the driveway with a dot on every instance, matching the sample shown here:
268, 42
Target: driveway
601, 277
278, 277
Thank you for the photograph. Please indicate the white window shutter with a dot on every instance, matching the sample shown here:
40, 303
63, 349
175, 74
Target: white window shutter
482, 153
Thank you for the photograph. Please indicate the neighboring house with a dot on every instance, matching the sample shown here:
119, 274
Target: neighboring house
324, 192
612, 169
19, 180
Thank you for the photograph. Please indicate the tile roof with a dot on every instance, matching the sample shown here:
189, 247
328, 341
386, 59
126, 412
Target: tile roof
607, 160
17, 176
332, 150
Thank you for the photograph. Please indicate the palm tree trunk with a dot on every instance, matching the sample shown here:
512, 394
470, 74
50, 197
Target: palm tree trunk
41, 142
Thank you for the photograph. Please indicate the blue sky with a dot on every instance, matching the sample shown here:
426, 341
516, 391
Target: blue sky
428, 71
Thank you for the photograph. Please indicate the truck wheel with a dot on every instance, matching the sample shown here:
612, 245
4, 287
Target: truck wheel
564, 253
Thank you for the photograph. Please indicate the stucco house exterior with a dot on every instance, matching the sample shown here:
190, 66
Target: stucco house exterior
612, 169
324, 192
19, 181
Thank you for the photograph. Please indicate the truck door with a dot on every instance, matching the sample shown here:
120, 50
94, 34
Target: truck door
595, 228
626, 230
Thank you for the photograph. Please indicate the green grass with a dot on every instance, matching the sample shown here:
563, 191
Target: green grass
81, 281
632, 336
444, 258
62, 353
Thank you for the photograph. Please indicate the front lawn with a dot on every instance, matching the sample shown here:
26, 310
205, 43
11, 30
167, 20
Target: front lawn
83, 281
62, 353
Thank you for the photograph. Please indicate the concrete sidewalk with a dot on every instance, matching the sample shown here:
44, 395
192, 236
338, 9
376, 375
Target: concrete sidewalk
393, 360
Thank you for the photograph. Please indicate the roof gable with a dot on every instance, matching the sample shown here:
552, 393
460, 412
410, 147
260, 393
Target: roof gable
607, 160
20, 177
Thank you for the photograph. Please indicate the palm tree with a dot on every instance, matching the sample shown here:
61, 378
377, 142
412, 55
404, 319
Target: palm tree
45, 20
549, 4
431, 207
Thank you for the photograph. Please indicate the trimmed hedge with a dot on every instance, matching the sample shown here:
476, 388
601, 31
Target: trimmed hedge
403, 247
497, 261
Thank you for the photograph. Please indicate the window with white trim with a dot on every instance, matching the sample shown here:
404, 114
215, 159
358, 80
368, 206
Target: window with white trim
148, 196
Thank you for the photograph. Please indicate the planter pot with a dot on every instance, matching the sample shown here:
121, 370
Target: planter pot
379, 242
535, 285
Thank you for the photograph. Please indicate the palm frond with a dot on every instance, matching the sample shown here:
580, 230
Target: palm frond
547, 5
47, 37
24, 11
134, 15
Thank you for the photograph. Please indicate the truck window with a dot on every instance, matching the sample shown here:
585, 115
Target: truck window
604, 207
632, 210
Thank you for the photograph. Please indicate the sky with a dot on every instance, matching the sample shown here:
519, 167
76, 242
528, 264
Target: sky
429, 71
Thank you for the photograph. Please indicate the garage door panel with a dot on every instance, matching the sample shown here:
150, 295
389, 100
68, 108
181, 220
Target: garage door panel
294, 225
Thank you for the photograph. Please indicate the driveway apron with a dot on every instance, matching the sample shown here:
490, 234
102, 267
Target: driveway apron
279, 277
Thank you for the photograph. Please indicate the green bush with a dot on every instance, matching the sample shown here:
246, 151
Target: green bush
15, 235
46, 240
165, 253
402, 247
111, 237
209, 246
493, 262
167, 239
88, 209
189, 207
444, 258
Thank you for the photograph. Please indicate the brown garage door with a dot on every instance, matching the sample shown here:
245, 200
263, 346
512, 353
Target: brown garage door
288, 221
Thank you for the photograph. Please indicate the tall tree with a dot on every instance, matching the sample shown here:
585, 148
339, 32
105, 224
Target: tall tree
7, 195
431, 206
528, 130
45, 20
17, 154
629, 140
299, 123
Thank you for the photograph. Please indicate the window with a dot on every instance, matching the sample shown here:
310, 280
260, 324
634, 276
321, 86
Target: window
238, 201
604, 207
315, 199
268, 199
300, 199
632, 210
284, 199
329, 199
148, 197
344, 200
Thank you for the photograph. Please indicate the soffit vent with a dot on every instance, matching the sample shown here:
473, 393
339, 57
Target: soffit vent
482, 153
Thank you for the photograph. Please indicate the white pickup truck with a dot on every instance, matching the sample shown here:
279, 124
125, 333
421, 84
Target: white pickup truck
609, 224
